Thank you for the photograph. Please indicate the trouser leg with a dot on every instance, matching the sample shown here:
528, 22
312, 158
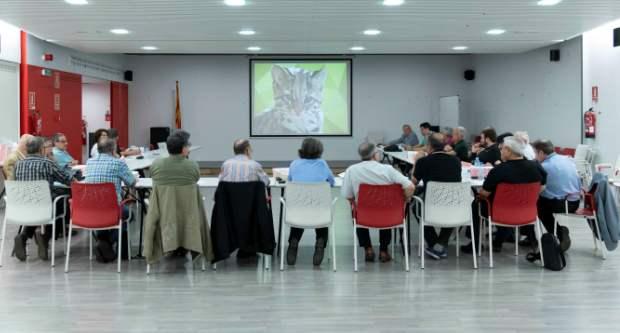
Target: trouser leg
385, 237
444, 236
430, 236
321, 233
296, 234
363, 236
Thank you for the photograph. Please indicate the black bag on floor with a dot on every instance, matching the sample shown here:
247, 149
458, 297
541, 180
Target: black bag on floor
553, 255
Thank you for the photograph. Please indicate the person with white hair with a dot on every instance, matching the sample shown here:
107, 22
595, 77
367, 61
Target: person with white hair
528, 150
514, 169
458, 147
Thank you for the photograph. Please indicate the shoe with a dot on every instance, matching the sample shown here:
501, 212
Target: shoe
291, 253
105, 251
370, 255
42, 244
526, 242
431, 253
19, 247
319, 252
441, 250
384, 256
564, 239
497, 246
468, 248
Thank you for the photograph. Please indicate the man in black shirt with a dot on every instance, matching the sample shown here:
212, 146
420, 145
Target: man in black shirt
515, 169
487, 151
438, 166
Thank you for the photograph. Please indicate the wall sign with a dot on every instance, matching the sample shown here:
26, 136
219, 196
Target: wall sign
594, 93
56, 102
32, 100
56, 80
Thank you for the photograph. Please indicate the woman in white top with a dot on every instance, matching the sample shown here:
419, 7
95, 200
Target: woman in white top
524, 138
100, 133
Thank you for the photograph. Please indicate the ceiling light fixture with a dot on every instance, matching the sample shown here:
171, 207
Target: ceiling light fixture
495, 32
119, 31
357, 48
391, 3
254, 48
372, 32
557, 41
247, 32
548, 2
234, 3
460, 48
77, 2
150, 48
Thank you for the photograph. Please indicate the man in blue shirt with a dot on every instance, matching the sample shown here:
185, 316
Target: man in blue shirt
61, 156
408, 138
309, 168
563, 186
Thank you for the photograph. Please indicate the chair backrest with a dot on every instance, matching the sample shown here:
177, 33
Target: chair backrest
308, 204
582, 153
557, 149
94, 205
28, 202
2, 184
568, 152
515, 204
616, 171
447, 204
380, 206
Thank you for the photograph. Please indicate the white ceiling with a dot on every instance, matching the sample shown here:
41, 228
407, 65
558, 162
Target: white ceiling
307, 26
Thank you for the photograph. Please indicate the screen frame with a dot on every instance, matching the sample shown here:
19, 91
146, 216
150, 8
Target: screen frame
293, 60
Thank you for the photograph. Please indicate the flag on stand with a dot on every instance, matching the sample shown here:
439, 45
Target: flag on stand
177, 111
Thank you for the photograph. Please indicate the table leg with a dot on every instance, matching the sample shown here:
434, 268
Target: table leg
140, 215
280, 220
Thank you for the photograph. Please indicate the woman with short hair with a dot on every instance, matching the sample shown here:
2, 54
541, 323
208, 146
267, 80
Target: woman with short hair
309, 168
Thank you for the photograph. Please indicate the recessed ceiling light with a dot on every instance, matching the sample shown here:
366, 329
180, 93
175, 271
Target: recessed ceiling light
548, 2
254, 48
235, 3
496, 32
357, 48
77, 2
557, 41
393, 2
150, 48
460, 48
372, 32
51, 40
119, 31
247, 32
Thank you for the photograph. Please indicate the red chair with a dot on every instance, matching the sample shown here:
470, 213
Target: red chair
558, 150
514, 206
95, 207
568, 152
587, 213
379, 207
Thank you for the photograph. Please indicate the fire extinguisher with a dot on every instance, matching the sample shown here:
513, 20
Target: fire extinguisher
108, 116
589, 122
84, 130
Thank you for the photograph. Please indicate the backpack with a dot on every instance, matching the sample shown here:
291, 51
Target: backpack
553, 255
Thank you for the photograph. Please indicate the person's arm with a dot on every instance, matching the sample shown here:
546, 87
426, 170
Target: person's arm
398, 178
330, 175
489, 185
60, 175
418, 172
261, 174
223, 171
127, 176
195, 171
347, 187
396, 141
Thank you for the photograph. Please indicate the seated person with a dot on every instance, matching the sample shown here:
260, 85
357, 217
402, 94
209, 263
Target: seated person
16, 155
36, 167
408, 138
309, 168
370, 171
242, 168
186, 229
563, 186
113, 133
61, 156
99, 134
487, 151
514, 169
107, 168
438, 166
425, 130
525, 139
458, 147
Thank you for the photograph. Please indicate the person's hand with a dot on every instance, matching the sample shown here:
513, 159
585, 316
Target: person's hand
74, 163
448, 148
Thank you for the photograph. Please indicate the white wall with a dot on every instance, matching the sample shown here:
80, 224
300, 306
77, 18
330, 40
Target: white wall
528, 92
9, 82
95, 104
387, 91
601, 67
9, 42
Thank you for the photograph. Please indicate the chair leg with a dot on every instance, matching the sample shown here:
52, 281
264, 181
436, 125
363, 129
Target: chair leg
516, 241
539, 237
64, 238
354, 246
53, 252
490, 244
406, 245
128, 240
204, 263
120, 245
458, 252
481, 230
421, 241
148, 269
266, 262
333, 228
90, 244
69, 248
473, 248
2, 241
600, 238
281, 243
394, 238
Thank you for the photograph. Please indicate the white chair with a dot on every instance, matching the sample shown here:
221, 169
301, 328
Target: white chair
612, 171
584, 155
446, 205
308, 206
29, 203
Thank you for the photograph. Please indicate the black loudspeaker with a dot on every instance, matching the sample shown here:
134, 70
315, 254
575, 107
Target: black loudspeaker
128, 75
554, 55
469, 75
159, 134
616, 37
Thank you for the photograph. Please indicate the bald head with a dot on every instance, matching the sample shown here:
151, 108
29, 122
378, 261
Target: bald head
23, 141
241, 146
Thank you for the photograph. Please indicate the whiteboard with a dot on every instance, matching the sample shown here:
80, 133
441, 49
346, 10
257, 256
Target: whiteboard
449, 111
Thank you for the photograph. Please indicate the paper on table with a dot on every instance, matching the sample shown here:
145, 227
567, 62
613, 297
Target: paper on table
341, 175
281, 173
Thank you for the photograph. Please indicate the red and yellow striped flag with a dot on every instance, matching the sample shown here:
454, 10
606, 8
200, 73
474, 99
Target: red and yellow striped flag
177, 111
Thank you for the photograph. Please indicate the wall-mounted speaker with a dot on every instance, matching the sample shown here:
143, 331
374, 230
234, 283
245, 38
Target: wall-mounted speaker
554, 55
616, 37
129, 76
469, 75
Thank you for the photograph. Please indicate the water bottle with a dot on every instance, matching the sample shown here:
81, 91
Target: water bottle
479, 169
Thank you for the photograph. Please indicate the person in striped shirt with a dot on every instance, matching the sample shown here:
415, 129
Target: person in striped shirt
241, 168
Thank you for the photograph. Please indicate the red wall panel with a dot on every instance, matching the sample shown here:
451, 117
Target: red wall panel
119, 103
68, 119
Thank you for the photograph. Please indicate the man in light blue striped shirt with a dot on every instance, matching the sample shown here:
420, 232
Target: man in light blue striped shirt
242, 168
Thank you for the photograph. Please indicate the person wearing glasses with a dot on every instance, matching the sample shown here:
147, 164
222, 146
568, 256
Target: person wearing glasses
60, 153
